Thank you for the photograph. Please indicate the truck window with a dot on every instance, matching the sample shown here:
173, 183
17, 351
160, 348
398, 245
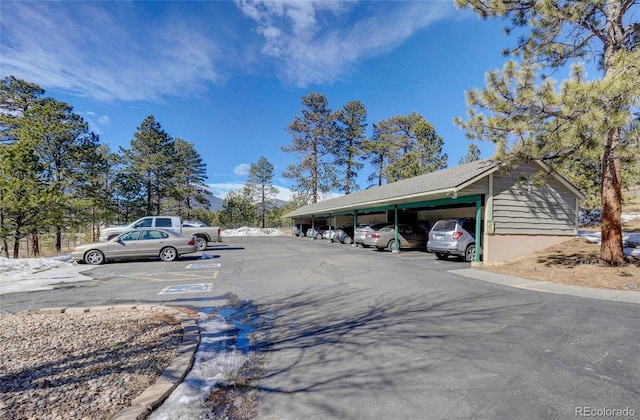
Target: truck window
163, 222
144, 223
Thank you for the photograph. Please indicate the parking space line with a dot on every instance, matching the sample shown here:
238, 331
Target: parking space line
172, 276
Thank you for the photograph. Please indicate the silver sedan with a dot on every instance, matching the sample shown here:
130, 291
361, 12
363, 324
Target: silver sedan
137, 243
410, 236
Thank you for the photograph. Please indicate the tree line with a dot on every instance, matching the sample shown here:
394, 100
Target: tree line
332, 147
56, 175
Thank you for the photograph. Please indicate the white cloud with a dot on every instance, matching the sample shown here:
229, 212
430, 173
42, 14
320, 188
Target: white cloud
146, 51
242, 169
106, 51
104, 120
319, 41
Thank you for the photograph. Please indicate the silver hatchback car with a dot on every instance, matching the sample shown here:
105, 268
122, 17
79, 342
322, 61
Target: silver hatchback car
453, 236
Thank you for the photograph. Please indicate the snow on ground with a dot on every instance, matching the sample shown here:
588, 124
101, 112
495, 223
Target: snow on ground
251, 231
32, 274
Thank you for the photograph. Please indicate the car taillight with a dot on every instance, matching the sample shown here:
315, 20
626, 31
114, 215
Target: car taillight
192, 241
456, 235
375, 235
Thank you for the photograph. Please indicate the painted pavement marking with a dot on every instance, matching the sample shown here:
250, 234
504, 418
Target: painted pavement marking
173, 276
187, 288
204, 265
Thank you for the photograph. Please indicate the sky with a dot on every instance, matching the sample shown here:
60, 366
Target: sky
229, 76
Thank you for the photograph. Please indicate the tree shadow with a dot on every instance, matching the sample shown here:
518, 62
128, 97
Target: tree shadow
322, 340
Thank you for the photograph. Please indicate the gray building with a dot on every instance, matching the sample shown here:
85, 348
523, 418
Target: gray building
515, 217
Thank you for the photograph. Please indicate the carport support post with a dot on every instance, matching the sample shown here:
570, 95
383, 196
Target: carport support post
396, 243
476, 258
329, 236
355, 224
313, 226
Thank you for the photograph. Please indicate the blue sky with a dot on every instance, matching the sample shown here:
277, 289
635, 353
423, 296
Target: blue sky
228, 76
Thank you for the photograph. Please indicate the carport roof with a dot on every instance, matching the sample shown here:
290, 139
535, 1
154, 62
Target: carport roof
433, 185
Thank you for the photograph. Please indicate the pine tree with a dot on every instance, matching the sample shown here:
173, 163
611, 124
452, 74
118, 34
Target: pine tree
188, 180
259, 187
150, 160
582, 115
352, 123
313, 137
473, 154
410, 146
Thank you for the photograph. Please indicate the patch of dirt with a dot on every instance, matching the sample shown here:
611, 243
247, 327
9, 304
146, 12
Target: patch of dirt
574, 262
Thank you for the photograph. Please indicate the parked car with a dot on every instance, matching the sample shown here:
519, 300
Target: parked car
204, 234
410, 236
344, 234
299, 229
363, 228
453, 236
137, 243
317, 231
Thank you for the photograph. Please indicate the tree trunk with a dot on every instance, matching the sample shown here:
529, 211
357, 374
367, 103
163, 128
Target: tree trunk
5, 248
16, 248
611, 251
58, 239
34, 243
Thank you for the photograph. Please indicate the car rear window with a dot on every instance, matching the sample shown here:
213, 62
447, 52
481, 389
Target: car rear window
445, 225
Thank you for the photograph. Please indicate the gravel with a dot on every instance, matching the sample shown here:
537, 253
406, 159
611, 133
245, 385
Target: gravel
84, 365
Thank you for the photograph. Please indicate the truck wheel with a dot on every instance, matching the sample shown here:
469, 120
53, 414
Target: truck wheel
201, 243
168, 254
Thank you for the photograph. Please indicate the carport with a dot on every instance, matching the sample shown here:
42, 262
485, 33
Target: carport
514, 216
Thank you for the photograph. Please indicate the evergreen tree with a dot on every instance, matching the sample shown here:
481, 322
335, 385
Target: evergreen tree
259, 187
313, 137
473, 154
26, 198
61, 140
237, 210
530, 119
378, 150
16, 97
188, 180
150, 160
412, 147
352, 123
94, 195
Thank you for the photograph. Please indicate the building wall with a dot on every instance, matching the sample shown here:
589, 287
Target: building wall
500, 248
517, 207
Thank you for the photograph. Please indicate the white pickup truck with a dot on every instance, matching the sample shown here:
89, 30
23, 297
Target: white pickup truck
203, 234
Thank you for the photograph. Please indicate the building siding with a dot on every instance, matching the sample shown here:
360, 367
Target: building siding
526, 209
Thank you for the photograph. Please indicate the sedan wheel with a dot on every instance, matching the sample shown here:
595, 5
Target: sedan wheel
168, 254
470, 253
347, 240
201, 243
94, 257
391, 246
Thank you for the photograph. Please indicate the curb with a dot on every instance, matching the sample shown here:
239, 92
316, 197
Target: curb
151, 398
612, 295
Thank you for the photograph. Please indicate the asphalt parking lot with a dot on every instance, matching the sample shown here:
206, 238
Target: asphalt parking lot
353, 333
